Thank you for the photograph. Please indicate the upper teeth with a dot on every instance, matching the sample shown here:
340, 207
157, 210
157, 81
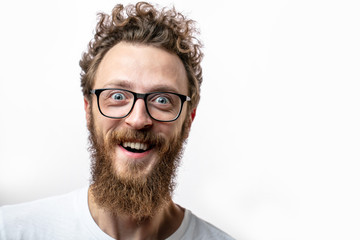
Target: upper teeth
137, 145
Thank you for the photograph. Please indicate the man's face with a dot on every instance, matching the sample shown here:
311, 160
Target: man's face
140, 69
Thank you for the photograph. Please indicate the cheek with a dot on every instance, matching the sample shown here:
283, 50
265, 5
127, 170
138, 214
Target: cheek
172, 130
105, 126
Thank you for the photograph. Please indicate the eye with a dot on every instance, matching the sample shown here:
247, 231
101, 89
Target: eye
118, 96
162, 100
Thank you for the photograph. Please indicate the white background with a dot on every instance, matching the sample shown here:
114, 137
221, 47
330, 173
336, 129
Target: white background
274, 150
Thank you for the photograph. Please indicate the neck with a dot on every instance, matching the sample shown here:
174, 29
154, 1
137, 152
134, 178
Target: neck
164, 223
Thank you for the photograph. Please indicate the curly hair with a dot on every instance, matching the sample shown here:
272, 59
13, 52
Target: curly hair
144, 24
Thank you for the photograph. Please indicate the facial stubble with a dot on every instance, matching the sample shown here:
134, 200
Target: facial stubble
132, 194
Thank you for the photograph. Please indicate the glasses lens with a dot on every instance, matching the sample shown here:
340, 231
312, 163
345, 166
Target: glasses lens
115, 103
164, 106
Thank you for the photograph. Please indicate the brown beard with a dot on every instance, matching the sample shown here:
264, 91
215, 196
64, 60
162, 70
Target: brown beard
137, 197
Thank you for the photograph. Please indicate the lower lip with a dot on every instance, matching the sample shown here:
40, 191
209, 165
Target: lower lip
134, 155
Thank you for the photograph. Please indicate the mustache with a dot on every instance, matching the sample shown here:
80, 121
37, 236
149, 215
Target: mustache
141, 136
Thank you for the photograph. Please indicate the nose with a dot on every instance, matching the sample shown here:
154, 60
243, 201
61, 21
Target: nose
139, 118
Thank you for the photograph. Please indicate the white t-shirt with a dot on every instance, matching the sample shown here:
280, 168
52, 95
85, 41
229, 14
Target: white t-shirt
68, 217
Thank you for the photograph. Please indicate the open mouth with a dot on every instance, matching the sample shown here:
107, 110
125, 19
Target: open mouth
136, 147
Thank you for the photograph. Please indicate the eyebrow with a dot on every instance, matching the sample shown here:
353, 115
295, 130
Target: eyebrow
119, 84
164, 88
128, 85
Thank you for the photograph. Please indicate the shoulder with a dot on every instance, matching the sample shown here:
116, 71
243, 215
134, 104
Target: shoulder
40, 216
206, 230
42, 208
197, 228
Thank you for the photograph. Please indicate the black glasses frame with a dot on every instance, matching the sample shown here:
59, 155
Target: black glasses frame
137, 96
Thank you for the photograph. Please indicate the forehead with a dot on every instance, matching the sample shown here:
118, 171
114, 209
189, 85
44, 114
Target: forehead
141, 68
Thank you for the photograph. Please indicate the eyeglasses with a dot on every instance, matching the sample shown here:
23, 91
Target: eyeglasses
118, 103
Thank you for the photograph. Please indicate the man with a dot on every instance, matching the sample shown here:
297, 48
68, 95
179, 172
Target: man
141, 80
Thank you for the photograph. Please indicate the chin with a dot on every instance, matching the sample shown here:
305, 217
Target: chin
133, 169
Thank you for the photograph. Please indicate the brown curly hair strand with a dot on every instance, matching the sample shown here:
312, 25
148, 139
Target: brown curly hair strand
144, 24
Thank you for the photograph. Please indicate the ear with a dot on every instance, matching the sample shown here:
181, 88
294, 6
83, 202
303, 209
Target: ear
193, 114
87, 107
189, 122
